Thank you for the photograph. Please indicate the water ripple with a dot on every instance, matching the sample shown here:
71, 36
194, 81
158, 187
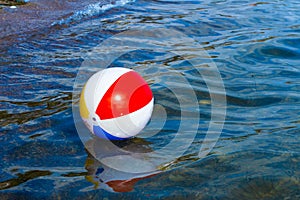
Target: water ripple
31, 110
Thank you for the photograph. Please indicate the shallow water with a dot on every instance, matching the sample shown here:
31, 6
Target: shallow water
256, 48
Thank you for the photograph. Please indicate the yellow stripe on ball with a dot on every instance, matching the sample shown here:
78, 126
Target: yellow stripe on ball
84, 112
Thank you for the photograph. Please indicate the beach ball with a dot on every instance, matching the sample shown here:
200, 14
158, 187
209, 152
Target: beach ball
116, 103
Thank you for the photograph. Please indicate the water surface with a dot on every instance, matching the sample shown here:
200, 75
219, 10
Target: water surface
256, 47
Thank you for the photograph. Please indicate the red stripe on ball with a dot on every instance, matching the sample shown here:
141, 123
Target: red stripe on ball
129, 93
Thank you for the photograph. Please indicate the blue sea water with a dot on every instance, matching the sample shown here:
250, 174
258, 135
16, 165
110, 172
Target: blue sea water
255, 47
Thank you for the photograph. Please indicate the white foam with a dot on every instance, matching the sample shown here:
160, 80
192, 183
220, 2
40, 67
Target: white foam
92, 10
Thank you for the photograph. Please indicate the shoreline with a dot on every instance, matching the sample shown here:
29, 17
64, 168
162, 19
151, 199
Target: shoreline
12, 2
19, 19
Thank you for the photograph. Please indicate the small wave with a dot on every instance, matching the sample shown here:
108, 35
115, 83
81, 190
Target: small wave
92, 10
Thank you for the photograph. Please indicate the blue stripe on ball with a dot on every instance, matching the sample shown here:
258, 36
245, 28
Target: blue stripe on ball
105, 135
